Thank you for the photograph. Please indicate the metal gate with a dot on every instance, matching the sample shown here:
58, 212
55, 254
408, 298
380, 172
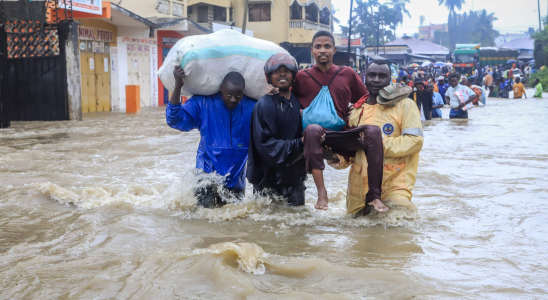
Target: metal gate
34, 72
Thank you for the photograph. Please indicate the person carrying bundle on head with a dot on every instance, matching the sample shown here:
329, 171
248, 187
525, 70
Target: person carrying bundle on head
223, 120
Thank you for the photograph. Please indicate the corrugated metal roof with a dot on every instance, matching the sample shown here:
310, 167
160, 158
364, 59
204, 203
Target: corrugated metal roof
421, 47
528, 44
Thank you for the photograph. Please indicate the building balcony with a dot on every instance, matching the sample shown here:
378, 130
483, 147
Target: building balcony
309, 25
302, 31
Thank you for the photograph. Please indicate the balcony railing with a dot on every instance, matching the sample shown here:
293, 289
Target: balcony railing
309, 25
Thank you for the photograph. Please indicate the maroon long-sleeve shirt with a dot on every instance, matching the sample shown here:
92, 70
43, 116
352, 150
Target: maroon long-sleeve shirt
346, 88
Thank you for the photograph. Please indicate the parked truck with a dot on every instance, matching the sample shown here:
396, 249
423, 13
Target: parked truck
470, 56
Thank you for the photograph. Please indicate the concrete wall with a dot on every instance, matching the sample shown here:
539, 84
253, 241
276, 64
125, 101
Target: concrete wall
144, 8
277, 30
74, 85
122, 56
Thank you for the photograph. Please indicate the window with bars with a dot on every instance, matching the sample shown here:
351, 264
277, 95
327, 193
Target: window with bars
324, 16
177, 9
163, 7
259, 12
311, 13
202, 14
296, 11
219, 14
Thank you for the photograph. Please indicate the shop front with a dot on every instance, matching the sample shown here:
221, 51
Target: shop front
166, 40
96, 39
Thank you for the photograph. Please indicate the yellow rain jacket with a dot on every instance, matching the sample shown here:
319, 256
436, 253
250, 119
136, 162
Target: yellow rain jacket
400, 123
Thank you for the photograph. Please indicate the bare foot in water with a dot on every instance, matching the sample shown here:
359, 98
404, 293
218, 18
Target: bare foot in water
322, 200
378, 205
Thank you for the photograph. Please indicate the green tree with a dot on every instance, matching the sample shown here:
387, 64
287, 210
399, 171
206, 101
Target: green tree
367, 22
483, 32
399, 7
452, 18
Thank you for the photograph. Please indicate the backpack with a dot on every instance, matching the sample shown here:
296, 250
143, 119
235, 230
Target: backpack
322, 109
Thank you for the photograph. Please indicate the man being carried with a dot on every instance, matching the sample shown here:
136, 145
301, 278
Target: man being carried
344, 87
458, 96
389, 108
538, 89
276, 164
224, 122
519, 89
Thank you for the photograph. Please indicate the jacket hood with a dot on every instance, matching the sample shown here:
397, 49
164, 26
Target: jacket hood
393, 94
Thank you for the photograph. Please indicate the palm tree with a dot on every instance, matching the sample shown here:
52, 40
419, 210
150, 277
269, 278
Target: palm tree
451, 5
333, 18
399, 7
483, 31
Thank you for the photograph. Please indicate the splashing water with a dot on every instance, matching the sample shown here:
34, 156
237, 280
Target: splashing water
105, 208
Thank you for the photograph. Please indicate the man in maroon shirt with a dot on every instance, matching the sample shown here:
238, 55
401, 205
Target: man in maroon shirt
345, 88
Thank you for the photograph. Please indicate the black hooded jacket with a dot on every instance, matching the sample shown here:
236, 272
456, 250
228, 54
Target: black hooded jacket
276, 147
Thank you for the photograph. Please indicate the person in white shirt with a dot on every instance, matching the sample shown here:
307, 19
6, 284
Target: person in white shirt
454, 94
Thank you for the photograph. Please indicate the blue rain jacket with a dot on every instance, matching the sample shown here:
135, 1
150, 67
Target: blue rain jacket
224, 134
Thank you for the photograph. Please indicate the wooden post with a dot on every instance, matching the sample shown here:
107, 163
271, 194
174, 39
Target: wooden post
246, 8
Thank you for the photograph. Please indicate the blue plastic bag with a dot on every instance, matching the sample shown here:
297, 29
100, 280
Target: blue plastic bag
322, 112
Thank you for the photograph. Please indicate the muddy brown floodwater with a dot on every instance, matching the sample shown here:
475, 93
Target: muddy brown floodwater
104, 209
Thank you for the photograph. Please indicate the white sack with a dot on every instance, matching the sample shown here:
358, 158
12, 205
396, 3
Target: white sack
208, 58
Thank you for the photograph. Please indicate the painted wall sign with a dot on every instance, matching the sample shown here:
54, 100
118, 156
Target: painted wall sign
137, 48
103, 35
88, 6
154, 75
353, 42
86, 33
144, 41
169, 41
98, 47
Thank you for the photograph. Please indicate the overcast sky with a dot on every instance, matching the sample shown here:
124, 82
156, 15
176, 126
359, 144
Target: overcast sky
514, 16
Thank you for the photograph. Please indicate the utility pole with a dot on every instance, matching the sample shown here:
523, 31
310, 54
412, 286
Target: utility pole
350, 30
246, 8
539, 24
378, 30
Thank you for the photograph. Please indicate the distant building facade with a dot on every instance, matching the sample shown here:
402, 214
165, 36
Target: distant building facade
427, 32
508, 37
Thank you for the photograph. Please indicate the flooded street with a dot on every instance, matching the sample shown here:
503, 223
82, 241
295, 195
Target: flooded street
104, 209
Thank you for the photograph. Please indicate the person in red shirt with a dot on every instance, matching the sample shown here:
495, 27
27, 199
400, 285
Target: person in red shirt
345, 88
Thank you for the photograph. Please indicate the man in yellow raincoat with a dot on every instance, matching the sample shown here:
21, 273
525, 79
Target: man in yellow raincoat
389, 108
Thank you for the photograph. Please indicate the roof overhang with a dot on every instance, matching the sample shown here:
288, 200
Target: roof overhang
417, 56
124, 17
121, 17
183, 26
222, 3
